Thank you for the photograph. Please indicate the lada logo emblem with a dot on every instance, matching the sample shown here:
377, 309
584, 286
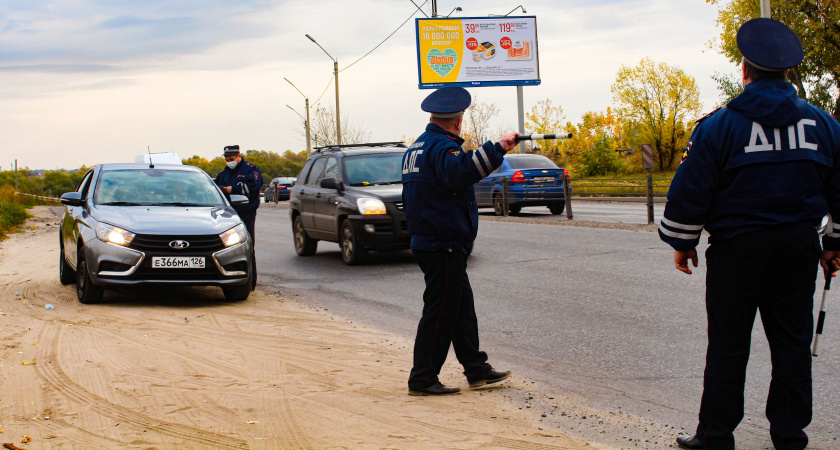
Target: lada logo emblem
179, 244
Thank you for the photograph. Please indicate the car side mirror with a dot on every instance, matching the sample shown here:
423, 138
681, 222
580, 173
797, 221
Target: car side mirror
331, 183
239, 200
72, 199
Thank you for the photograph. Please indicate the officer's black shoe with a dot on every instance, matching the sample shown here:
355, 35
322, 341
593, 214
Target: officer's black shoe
493, 376
435, 389
690, 442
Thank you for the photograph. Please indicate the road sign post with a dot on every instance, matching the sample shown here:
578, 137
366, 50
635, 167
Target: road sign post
647, 163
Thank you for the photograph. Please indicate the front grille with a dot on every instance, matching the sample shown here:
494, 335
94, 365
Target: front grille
399, 206
198, 243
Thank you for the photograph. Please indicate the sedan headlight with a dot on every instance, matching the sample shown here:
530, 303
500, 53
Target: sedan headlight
114, 235
234, 236
369, 206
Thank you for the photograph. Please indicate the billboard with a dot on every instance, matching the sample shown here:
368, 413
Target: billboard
477, 51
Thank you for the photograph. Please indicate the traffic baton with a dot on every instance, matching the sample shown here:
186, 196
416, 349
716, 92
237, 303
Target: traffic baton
543, 137
821, 320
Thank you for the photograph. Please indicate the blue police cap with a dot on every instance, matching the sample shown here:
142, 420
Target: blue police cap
231, 150
769, 44
447, 102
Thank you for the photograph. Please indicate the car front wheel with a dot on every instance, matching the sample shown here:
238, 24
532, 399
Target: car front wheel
498, 205
85, 289
66, 275
352, 253
304, 245
238, 293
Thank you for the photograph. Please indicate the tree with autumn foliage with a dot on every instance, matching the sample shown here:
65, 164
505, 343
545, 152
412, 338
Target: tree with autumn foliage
545, 118
663, 101
816, 22
593, 148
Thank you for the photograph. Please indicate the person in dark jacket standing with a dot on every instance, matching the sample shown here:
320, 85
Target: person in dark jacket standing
759, 175
442, 215
241, 177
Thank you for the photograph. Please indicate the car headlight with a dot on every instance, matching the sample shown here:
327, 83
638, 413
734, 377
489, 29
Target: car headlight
114, 235
369, 206
235, 235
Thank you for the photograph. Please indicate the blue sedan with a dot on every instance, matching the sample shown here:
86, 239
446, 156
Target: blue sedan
533, 180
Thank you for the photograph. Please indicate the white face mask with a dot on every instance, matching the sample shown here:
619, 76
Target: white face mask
232, 164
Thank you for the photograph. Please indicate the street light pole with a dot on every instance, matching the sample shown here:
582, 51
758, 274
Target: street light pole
337, 110
308, 141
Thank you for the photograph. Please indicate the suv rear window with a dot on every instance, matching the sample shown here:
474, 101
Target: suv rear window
530, 162
382, 168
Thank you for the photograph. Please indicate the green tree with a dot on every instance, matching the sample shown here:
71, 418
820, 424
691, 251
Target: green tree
545, 118
663, 100
816, 22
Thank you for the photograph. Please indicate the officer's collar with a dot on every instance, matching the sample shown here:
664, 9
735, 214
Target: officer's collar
436, 128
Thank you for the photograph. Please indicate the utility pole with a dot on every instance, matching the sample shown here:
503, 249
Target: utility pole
337, 110
434, 8
15, 174
765, 8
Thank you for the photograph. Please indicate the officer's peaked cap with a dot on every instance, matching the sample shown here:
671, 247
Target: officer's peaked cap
231, 150
447, 102
769, 44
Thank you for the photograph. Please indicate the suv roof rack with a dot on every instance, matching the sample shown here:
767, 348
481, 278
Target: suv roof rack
371, 144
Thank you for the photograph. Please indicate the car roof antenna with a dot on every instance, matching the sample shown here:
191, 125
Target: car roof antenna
151, 166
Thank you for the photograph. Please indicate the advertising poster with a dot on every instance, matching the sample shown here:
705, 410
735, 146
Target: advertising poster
477, 51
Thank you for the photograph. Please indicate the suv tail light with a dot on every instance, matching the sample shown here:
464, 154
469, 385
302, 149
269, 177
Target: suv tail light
517, 177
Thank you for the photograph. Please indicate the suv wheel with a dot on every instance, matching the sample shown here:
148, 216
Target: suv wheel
557, 208
66, 275
352, 253
304, 245
85, 290
498, 205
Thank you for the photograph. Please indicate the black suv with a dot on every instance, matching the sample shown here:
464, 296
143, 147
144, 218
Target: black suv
352, 195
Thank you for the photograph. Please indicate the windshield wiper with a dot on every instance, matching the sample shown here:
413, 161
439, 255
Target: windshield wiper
122, 204
174, 204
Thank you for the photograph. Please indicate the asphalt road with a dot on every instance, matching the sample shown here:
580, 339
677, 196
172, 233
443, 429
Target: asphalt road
597, 317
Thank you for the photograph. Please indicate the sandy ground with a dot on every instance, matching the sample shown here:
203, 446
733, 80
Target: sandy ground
182, 368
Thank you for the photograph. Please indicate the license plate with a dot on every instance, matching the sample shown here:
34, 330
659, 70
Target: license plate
543, 179
177, 262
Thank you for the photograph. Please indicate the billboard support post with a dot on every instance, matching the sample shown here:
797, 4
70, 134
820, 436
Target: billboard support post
520, 106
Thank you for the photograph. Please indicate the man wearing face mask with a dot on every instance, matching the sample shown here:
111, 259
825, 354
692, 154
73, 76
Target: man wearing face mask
241, 177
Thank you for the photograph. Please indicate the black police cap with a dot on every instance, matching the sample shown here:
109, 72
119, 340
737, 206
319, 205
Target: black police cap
231, 150
769, 44
447, 102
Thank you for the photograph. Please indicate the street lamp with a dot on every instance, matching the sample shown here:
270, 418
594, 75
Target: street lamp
306, 120
514, 9
337, 111
457, 8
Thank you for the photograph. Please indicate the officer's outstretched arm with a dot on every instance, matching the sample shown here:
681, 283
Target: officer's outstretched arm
459, 169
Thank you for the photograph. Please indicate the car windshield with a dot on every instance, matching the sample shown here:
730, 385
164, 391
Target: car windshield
531, 162
158, 187
375, 169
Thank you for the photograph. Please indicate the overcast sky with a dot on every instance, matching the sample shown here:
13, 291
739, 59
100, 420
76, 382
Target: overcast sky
95, 81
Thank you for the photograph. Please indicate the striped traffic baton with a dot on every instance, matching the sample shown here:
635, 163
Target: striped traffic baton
540, 137
821, 320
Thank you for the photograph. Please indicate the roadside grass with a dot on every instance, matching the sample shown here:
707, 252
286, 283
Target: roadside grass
13, 210
629, 185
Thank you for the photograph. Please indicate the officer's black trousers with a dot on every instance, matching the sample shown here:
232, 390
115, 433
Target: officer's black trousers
250, 225
448, 317
772, 271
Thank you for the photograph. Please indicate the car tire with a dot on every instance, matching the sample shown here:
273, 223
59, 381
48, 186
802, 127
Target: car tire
351, 252
557, 208
66, 275
238, 293
87, 292
498, 204
514, 210
304, 245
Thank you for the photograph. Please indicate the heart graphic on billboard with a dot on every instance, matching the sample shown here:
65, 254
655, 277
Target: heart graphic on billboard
442, 62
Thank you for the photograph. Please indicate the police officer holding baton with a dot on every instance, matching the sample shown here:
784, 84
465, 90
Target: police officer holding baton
758, 175
442, 215
241, 177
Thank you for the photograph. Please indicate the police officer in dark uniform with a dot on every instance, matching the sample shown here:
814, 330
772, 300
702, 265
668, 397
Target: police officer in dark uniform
438, 177
241, 177
758, 175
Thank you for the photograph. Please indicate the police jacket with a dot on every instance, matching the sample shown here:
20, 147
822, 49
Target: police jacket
245, 179
767, 159
438, 177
